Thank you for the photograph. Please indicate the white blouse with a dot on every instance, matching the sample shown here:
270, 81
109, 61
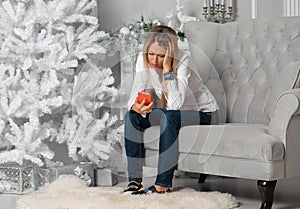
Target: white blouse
185, 92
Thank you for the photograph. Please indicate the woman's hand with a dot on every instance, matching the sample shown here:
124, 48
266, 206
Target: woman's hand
141, 107
167, 64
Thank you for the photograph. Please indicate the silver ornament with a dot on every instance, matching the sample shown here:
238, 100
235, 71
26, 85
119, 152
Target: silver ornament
131, 27
132, 33
124, 31
156, 22
142, 25
136, 36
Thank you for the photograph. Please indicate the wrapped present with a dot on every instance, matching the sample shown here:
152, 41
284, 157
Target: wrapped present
16, 179
43, 176
106, 176
84, 170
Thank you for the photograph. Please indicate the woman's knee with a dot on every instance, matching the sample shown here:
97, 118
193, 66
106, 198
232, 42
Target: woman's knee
170, 118
172, 114
136, 120
131, 117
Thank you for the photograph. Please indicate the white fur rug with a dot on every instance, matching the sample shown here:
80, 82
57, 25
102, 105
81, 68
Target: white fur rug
71, 193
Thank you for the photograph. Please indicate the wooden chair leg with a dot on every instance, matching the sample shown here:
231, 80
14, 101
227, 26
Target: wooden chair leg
202, 178
266, 189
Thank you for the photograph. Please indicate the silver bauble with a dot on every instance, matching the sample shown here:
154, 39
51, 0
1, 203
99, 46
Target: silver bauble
131, 27
132, 33
136, 36
124, 31
156, 22
142, 25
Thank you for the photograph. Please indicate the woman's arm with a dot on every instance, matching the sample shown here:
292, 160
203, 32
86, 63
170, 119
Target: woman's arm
140, 81
175, 89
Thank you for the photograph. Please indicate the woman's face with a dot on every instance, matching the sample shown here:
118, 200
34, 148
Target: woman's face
156, 55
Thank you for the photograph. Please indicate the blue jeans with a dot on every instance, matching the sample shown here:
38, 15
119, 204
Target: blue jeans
170, 122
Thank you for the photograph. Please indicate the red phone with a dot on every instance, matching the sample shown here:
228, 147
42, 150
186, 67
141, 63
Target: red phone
146, 96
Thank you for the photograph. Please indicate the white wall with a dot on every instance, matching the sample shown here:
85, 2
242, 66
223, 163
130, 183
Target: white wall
116, 13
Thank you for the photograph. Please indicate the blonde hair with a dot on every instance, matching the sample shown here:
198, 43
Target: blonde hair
163, 35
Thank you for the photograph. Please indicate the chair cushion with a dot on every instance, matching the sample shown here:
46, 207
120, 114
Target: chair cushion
244, 141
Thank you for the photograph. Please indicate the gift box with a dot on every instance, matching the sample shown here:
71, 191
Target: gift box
106, 176
16, 179
84, 171
22, 179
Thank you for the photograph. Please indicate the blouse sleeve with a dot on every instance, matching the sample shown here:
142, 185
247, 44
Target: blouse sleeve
140, 81
178, 87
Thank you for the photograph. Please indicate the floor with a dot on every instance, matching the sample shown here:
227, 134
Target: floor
287, 193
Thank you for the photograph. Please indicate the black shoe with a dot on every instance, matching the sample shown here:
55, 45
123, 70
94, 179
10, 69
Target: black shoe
133, 187
150, 191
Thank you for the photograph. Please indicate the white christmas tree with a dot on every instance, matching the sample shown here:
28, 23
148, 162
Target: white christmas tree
49, 86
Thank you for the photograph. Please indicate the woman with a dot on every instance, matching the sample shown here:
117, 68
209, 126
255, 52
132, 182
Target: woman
182, 99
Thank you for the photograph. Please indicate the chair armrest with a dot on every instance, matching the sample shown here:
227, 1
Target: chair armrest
286, 106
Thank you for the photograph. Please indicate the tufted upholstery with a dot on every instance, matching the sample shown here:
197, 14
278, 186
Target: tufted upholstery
253, 60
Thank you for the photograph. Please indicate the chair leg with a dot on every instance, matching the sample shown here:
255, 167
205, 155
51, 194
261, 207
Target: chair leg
266, 189
202, 178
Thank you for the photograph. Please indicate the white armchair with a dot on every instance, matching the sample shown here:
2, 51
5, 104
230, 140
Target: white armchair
252, 68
